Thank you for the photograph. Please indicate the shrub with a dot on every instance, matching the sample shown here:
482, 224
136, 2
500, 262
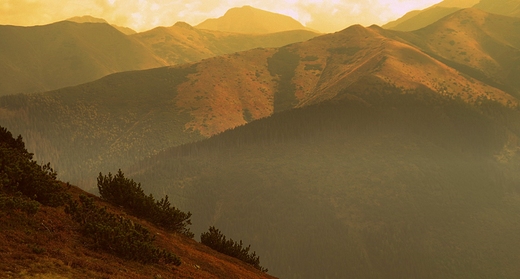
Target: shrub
127, 193
20, 173
117, 235
217, 241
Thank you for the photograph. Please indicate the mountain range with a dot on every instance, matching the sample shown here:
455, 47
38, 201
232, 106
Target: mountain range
84, 49
366, 153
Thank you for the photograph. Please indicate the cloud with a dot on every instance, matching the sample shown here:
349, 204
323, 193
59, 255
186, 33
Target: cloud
326, 16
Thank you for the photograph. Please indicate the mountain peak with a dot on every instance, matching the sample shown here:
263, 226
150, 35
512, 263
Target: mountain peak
247, 19
182, 24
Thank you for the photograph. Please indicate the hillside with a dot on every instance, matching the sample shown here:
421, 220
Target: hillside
68, 53
250, 20
375, 184
502, 7
118, 120
41, 240
182, 43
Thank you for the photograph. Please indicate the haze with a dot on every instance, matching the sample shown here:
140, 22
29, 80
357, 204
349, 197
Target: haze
141, 15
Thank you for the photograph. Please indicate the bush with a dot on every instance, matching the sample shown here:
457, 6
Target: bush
20, 173
217, 241
117, 235
125, 192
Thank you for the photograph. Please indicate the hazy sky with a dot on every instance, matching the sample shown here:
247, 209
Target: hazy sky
322, 15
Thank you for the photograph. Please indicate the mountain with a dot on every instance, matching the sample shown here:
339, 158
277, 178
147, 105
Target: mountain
91, 19
118, 120
250, 20
182, 43
421, 18
68, 53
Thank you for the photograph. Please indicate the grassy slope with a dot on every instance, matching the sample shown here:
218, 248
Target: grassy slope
47, 245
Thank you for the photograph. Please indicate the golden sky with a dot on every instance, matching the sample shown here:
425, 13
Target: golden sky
141, 15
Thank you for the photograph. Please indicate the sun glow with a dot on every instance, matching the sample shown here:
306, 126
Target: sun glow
326, 16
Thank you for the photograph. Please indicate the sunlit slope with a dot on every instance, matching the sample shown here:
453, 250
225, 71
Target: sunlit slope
250, 20
482, 45
122, 118
375, 185
182, 43
43, 58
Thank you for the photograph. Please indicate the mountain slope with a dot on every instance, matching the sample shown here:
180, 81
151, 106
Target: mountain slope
251, 21
67, 53
182, 43
378, 184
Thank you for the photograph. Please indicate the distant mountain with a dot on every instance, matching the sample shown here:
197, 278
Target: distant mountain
182, 43
421, 18
71, 53
367, 153
43, 58
91, 19
251, 21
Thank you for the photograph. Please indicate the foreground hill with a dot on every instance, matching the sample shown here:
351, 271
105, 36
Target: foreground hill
250, 20
182, 43
418, 19
120, 119
40, 239
67, 53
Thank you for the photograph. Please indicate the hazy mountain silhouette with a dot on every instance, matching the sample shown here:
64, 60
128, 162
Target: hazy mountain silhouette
250, 20
42, 58
91, 19
182, 43
415, 20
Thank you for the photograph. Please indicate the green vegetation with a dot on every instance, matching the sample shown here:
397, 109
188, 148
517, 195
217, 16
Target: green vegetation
19, 173
214, 239
125, 192
116, 234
